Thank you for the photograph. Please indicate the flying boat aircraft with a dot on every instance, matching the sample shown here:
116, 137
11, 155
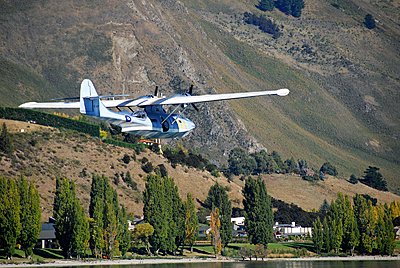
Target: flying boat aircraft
151, 121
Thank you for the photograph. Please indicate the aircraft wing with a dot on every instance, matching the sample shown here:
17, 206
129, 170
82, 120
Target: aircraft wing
186, 99
152, 100
76, 105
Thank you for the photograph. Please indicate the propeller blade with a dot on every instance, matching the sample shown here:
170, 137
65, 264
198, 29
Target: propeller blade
195, 107
156, 91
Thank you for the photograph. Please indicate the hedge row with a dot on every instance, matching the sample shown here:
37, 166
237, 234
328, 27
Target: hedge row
138, 147
47, 119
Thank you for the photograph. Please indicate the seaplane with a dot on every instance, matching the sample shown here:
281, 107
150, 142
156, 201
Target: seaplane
150, 120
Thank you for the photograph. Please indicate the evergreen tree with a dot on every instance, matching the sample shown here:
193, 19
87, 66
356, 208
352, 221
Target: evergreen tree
373, 178
369, 21
218, 197
10, 225
290, 7
258, 211
191, 222
6, 143
318, 236
29, 216
266, 5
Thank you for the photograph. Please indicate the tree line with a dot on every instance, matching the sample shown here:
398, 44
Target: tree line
105, 232
356, 226
19, 216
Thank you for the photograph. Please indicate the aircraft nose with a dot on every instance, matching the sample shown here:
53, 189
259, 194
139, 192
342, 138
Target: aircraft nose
191, 125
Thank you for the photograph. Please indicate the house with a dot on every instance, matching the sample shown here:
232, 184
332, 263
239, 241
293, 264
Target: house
47, 235
286, 230
238, 223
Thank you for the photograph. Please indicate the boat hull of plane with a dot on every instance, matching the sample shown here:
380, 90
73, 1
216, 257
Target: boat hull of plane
159, 134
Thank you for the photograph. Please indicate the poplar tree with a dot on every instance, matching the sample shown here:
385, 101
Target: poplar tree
96, 209
10, 225
154, 212
177, 214
327, 235
64, 202
218, 198
29, 216
71, 225
110, 221
366, 223
191, 222
80, 231
124, 235
215, 226
258, 211
318, 236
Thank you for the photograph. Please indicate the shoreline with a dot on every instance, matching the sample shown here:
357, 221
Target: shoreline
63, 263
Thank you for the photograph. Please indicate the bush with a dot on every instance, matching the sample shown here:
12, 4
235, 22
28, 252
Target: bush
148, 167
264, 24
353, 179
126, 159
369, 21
163, 170
328, 168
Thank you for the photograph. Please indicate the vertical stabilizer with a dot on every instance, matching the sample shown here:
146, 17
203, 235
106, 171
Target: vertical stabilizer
89, 99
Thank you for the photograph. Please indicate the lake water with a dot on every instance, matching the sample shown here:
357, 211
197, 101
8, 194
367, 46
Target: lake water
270, 264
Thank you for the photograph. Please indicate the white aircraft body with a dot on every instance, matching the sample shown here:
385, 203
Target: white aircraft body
152, 121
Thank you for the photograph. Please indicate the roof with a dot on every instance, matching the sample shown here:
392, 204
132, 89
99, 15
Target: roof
47, 232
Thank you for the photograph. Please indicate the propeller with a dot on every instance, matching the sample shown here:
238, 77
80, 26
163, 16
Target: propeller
189, 93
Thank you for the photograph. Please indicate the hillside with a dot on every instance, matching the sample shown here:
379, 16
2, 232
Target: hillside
44, 153
344, 79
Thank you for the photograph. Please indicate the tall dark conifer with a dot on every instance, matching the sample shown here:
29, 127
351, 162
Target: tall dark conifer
258, 211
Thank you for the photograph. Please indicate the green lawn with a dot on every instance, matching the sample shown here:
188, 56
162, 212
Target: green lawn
272, 247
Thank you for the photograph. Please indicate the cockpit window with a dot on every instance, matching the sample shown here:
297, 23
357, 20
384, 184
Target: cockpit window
139, 114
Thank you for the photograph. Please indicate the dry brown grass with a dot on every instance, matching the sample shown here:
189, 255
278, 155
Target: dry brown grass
61, 154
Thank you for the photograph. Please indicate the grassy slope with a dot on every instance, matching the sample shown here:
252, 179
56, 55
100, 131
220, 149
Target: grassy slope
68, 154
19, 83
312, 126
310, 123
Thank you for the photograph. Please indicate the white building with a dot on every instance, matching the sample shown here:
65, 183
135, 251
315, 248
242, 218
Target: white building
292, 229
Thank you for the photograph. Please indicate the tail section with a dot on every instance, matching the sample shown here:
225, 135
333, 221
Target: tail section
89, 99
90, 103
